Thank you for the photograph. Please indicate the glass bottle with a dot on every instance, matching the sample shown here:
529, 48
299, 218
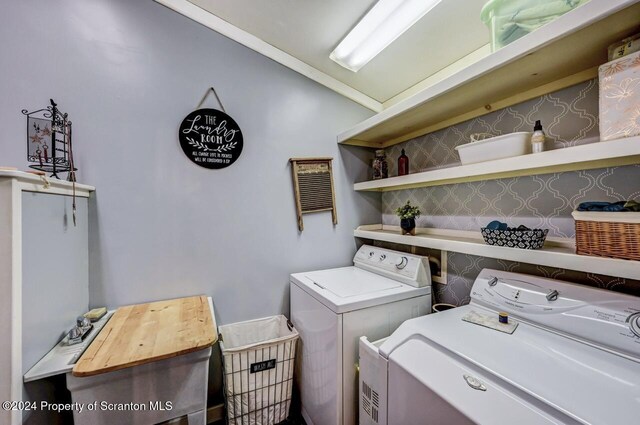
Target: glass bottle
380, 166
403, 164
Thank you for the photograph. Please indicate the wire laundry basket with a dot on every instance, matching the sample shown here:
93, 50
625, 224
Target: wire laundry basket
258, 358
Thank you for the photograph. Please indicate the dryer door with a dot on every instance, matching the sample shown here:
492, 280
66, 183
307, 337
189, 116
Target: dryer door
428, 384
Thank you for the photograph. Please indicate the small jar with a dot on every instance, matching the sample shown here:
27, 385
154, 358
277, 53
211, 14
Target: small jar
380, 166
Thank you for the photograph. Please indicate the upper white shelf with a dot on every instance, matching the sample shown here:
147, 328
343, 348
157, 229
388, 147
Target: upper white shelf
583, 157
562, 53
34, 183
557, 252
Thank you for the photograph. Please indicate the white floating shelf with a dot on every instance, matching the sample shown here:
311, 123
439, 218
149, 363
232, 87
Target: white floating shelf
557, 252
563, 53
583, 157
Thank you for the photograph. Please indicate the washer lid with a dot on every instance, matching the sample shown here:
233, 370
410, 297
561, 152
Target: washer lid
351, 288
351, 281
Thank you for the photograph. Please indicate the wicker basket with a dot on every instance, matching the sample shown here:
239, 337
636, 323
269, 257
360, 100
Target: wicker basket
608, 234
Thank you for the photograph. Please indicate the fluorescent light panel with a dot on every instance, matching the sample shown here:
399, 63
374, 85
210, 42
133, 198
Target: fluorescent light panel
385, 22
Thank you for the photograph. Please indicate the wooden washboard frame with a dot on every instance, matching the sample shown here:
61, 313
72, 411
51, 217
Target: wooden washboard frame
313, 187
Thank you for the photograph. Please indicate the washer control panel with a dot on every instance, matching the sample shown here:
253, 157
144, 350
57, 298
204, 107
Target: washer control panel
599, 317
406, 268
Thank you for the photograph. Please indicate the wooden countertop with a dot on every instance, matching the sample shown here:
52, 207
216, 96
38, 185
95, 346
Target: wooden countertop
145, 333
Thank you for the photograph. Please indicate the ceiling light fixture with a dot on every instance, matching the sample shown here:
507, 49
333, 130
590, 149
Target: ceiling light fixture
385, 22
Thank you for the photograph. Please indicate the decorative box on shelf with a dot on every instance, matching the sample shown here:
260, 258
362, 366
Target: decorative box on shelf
608, 234
515, 238
620, 98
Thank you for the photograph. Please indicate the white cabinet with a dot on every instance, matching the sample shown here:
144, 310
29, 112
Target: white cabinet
44, 277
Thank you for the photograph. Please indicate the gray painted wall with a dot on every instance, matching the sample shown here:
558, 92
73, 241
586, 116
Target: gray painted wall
128, 72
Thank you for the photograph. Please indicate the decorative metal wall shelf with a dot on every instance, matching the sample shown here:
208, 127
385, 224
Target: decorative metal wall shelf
49, 147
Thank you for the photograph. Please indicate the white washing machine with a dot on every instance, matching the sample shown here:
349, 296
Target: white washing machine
574, 358
332, 309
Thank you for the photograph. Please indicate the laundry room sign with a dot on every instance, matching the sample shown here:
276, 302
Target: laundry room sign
210, 138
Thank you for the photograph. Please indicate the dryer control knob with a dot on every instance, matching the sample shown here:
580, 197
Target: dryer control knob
493, 281
382, 257
553, 295
402, 263
634, 323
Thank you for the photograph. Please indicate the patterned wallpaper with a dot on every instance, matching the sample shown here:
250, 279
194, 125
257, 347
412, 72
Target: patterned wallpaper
570, 118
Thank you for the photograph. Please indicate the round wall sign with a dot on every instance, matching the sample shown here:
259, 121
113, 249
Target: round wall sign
210, 138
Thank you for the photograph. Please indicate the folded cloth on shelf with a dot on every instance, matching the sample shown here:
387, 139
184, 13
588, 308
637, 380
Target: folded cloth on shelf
620, 206
549, 10
498, 225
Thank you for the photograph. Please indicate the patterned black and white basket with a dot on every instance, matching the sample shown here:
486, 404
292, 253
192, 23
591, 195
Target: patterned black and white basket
523, 239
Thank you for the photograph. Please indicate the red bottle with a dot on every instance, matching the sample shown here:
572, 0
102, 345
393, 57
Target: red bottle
403, 164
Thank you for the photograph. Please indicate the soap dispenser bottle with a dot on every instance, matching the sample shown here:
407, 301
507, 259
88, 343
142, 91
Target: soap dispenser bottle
538, 138
403, 164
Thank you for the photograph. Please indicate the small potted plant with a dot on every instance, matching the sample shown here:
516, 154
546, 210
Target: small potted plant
408, 214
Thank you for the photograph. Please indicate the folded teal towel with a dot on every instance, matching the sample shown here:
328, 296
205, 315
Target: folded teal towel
498, 225
620, 206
